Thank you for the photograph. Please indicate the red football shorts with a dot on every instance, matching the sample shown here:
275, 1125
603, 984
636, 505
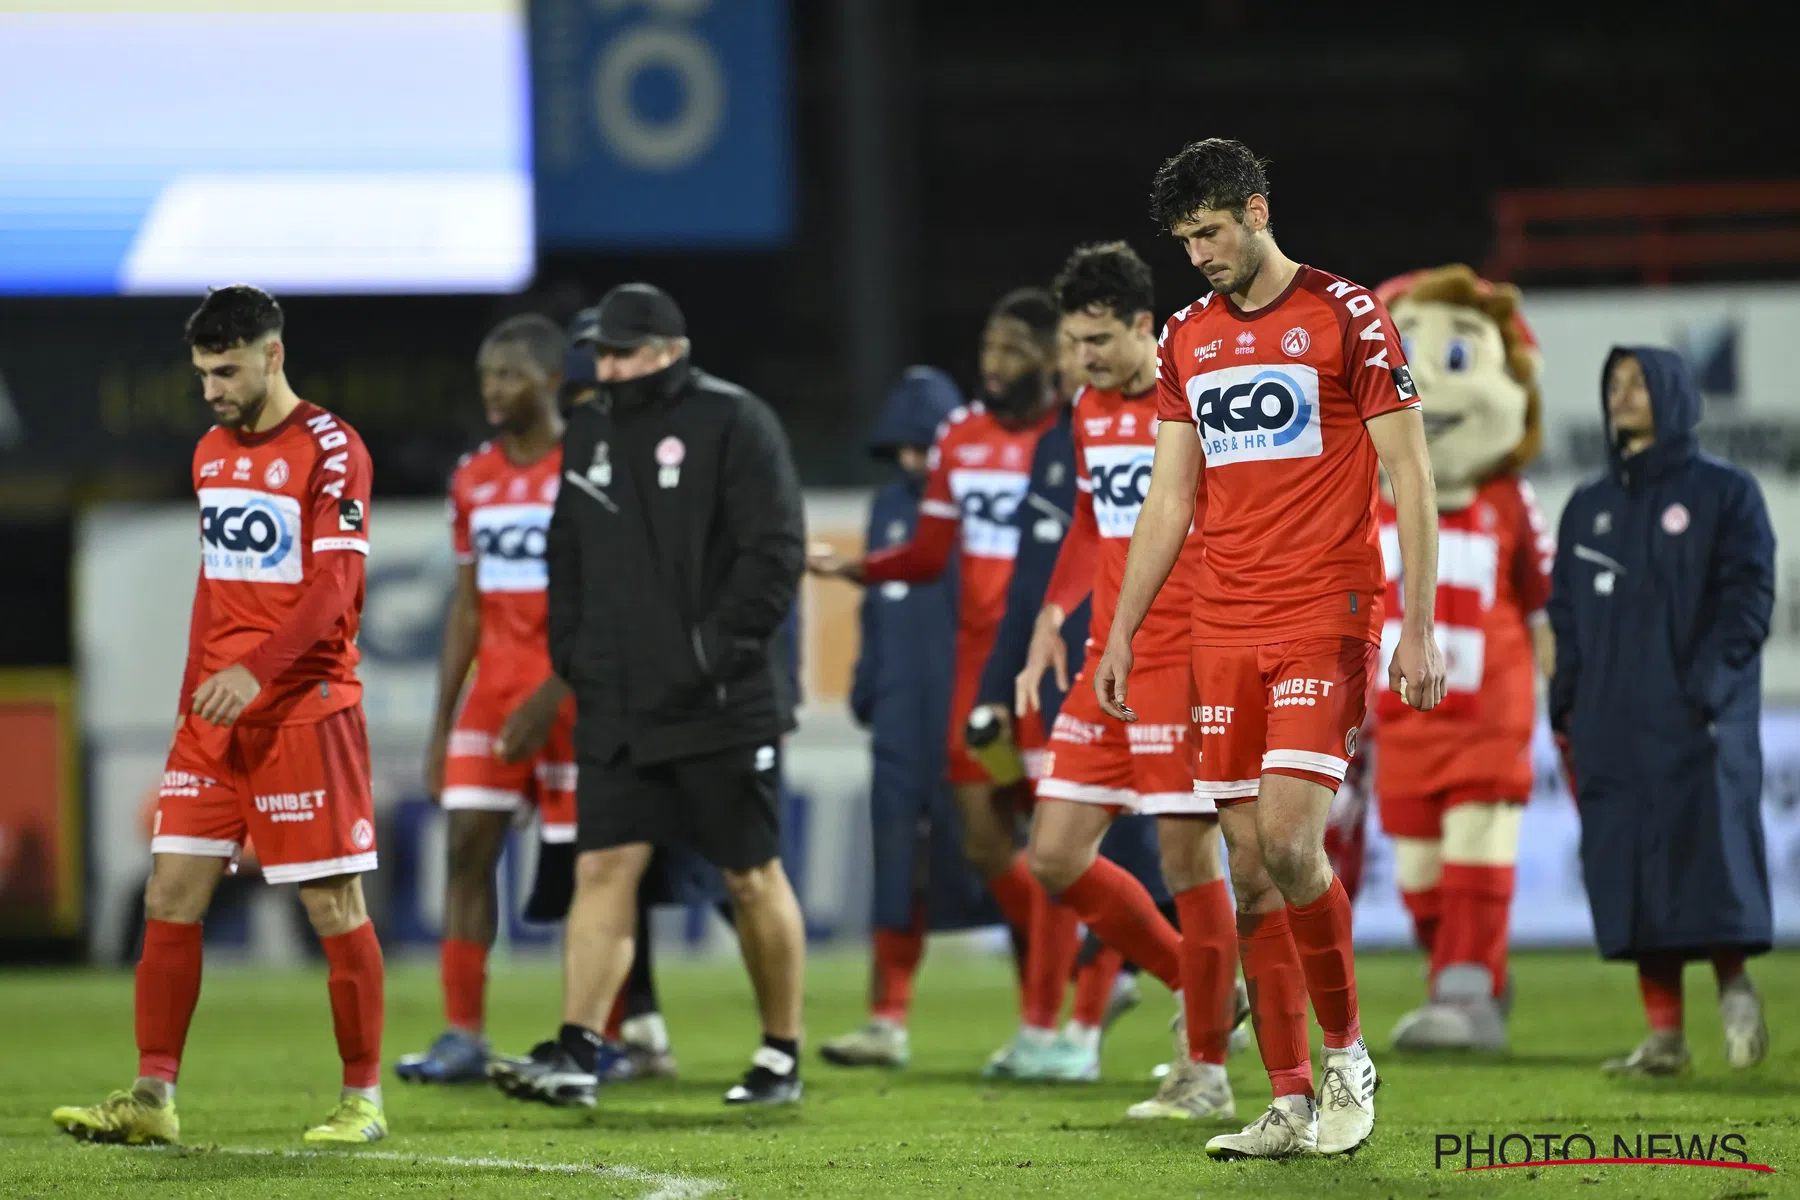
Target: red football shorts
475, 779
301, 791
1144, 767
1290, 708
1423, 816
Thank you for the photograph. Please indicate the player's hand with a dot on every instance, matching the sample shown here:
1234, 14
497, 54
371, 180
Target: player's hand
822, 560
220, 699
1109, 681
1048, 653
1417, 672
527, 727
435, 766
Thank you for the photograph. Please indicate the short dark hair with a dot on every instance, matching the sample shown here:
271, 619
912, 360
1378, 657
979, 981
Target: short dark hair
234, 315
1033, 306
543, 340
1217, 173
1109, 274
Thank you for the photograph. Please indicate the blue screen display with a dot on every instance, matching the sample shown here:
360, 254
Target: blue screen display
301, 145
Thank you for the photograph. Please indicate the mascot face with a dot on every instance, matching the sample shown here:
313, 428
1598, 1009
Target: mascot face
1475, 410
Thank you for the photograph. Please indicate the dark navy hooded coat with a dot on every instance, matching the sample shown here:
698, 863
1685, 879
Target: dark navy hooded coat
900, 692
1660, 601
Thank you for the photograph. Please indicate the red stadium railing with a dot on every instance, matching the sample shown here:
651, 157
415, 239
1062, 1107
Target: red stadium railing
1652, 231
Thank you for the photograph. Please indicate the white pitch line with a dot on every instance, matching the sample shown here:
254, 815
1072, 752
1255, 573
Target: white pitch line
668, 1186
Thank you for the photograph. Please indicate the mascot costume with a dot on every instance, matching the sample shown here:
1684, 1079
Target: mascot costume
1451, 784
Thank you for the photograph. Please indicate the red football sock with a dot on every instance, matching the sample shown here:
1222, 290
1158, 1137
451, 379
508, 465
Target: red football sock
462, 965
1116, 906
1322, 936
1208, 968
1426, 908
1277, 1000
1727, 965
1659, 981
1094, 986
355, 983
897, 957
1477, 913
1013, 889
1050, 953
168, 987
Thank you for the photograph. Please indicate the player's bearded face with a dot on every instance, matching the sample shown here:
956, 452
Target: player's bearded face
235, 383
1224, 248
1014, 368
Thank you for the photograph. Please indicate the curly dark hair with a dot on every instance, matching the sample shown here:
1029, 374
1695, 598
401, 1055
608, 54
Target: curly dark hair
1217, 173
1109, 274
1033, 306
541, 338
230, 316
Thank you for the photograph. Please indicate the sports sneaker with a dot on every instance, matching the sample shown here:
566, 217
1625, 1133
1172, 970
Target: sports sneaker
880, 1043
549, 1075
1125, 996
1067, 1059
645, 1042
1287, 1127
356, 1121
456, 1057
1463, 1015
1192, 1091
773, 1078
1018, 1058
1346, 1098
131, 1118
1746, 1034
1658, 1054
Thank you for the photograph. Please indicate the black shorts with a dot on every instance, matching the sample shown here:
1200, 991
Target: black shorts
723, 805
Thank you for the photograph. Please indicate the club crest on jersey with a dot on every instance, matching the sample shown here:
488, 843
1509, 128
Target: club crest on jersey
1257, 413
276, 474
1296, 342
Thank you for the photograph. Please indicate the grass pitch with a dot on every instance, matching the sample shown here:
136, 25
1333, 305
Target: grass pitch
261, 1066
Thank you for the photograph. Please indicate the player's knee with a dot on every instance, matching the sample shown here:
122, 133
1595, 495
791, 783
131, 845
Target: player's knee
1056, 865
614, 869
1291, 860
1188, 850
474, 844
334, 906
178, 896
754, 886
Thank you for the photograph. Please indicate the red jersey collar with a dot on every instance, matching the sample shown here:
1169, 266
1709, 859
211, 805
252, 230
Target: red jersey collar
1292, 287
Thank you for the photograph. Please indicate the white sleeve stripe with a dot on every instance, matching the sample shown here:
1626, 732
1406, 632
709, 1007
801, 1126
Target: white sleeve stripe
360, 545
937, 508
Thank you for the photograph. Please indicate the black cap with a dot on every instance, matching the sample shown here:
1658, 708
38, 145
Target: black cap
633, 313
585, 328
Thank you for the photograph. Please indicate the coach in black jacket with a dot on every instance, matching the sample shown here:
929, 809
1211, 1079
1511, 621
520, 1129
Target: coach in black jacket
675, 554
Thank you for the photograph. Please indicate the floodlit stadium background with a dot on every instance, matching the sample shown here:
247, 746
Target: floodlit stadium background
832, 190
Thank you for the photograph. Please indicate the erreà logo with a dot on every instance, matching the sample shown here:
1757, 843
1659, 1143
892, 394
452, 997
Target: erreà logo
1256, 413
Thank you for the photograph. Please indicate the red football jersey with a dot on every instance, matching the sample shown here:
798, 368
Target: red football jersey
499, 518
979, 473
1494, 561
1278, 398
270, 504
1115, 444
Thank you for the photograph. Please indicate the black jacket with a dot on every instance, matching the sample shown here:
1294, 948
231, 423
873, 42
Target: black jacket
1660, 600
675, 555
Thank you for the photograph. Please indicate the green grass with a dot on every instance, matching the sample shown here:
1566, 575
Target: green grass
261, 1066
